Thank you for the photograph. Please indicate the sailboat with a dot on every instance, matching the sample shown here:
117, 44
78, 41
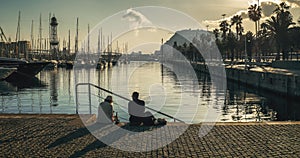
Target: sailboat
23, 67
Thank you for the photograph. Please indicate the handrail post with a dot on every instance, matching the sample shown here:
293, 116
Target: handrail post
90, 100
76, 94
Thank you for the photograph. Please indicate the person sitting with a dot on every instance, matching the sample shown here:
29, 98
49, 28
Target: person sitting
105, 111
136, 110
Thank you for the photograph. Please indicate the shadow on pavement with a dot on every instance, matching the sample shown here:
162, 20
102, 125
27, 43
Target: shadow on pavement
106, 133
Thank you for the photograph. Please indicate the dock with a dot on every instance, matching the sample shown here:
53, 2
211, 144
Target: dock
59, 135
276, 79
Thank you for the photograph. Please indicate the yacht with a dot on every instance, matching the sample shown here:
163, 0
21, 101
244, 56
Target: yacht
24, 68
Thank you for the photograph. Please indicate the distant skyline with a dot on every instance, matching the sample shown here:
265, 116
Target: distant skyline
206, 12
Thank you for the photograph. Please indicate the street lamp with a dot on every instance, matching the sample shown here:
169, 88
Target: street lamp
246, 55
223, 15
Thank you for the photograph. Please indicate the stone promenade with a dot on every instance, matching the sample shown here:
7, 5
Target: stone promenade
66, 136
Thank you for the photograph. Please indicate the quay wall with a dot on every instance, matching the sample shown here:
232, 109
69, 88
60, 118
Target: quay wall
287, 84
287, 64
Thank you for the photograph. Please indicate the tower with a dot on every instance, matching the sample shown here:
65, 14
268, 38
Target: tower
53, 37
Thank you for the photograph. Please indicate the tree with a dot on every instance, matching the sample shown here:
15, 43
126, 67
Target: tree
219, 43
279, 26
294, 34
216, 33
266, 40
231, 43
254, 13
224, 27
237, 21
249, 44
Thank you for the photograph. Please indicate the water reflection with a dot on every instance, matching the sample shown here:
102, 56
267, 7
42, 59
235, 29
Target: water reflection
49, 92
53, 88
6, 88
53, 92
23, 83
265, 104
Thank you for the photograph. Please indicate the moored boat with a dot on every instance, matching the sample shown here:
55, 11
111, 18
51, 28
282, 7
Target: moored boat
5, 72
24, 68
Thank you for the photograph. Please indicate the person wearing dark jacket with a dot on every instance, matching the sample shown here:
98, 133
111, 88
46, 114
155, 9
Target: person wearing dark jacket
136, 110
105, 111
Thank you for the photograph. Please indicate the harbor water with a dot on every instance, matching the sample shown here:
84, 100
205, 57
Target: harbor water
53, 91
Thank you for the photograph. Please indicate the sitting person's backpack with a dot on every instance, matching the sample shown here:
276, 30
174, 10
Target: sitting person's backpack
160, 121
148, 121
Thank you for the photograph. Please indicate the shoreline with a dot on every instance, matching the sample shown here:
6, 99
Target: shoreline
75, 116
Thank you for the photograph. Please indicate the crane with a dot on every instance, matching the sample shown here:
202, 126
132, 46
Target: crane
2, 35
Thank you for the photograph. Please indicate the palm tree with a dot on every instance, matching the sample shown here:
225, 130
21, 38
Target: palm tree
254, 13
231, 44
279, 25
220, 44
224, 27
216, 33
282, 8
237, 21
266, 40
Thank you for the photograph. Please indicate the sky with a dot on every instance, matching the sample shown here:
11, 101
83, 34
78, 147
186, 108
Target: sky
92, 12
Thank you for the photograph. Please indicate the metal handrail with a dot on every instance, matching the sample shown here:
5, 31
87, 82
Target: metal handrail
89, 89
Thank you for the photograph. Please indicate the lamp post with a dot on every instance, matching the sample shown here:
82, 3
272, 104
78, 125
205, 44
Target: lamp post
258, 23
223, 15
246, 55
162, 50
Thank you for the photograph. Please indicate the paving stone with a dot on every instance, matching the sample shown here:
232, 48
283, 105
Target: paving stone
66, 136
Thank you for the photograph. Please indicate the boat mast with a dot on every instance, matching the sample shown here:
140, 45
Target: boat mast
76, 37
88, 49
32, 37
18, 36
40, 36
111, 42
98, 42
49, 36
69, 45
101, 42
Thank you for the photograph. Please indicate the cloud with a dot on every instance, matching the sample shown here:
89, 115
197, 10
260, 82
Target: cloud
243, 13
268, 8
294, 3
136, 19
